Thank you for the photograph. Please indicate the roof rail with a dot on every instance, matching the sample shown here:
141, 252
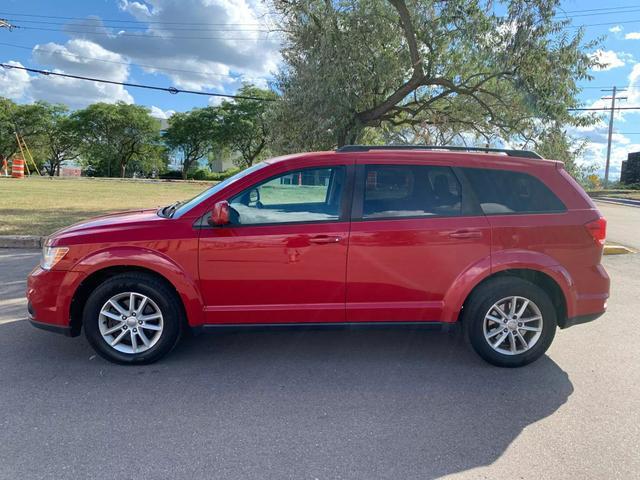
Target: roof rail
509, 152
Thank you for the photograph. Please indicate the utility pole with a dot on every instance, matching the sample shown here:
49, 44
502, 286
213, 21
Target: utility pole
613, 91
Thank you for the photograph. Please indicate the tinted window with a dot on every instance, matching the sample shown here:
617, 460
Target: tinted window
410, 191
501, 191
310, 195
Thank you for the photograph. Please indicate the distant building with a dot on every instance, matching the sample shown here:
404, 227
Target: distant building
69, 171
630, 172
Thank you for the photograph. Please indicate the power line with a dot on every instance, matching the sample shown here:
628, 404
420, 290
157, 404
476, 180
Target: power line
601, 109
629, 87
568, 17
143, 35
602, 24
153, 67
119, 21
226, 28
598, 9
172, 90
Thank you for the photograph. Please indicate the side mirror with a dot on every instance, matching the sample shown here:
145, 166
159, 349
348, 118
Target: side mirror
220, 213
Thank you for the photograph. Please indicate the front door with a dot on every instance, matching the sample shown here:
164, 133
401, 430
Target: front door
411, 238
282, 259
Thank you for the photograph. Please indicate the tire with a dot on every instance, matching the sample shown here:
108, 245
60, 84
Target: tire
485, 304
151, 329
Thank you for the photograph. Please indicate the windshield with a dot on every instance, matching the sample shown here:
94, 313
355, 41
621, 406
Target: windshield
181, 208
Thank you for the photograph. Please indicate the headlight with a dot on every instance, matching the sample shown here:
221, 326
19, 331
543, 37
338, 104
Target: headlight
51, 256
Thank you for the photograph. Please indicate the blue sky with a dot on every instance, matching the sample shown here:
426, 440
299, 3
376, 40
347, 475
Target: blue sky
218, 44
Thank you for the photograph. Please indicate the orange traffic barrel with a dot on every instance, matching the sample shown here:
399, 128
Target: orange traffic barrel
17, 168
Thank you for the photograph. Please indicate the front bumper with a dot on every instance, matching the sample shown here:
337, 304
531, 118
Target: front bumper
66, 331
49, 296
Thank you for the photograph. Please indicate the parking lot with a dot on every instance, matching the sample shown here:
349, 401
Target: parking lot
321, 404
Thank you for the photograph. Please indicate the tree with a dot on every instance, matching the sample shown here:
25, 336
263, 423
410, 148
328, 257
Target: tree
27, 120
115, 135
556, 144
192, 134
244, 126
57, 137
8, 113
455, 65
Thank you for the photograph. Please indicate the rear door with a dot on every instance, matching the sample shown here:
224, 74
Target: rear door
413, 234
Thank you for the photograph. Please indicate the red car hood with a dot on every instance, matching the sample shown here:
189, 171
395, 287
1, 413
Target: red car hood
120, 221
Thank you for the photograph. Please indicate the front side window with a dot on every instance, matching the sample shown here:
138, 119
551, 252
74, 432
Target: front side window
410, 191
309, 195
504, 192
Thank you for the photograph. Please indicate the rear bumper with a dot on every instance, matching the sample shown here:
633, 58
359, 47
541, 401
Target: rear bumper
570, 322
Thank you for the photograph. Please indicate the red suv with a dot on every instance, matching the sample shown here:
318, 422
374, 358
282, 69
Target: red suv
507, 245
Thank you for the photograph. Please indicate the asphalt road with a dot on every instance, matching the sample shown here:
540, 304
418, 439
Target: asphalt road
392, 404
623, 224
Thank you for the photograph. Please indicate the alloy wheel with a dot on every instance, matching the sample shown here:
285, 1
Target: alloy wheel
130, 322
512, 325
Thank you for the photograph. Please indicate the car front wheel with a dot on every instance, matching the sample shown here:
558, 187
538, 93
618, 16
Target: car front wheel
132, 318
510, 322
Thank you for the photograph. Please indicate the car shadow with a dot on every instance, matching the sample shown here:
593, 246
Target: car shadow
383, 403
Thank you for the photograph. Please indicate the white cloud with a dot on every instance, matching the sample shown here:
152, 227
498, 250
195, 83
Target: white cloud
228, 39
83, 58
76, 57
608, 58
157, 112
632, 36
14, 83
616, 29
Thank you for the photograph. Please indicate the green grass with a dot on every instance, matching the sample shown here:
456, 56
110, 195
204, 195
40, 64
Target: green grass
40, 206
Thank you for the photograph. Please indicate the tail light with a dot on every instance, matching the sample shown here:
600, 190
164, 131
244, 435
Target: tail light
598, 230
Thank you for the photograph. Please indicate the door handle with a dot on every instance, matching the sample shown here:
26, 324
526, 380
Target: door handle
323, 239
466, 234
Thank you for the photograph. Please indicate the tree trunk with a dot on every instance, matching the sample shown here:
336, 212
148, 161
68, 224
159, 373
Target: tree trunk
123, 168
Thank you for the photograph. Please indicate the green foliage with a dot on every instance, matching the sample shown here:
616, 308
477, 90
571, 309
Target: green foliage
555, 144
454, 66
244, 124
115, 136
57, 138
192, 135
27, 120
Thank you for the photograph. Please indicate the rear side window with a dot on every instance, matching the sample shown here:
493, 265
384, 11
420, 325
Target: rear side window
410, 191
503, 191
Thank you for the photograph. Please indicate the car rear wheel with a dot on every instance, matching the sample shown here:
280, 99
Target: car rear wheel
132, 318
510, 322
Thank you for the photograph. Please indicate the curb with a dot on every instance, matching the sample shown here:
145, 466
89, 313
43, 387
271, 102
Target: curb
618, 201
21, 241
616, 250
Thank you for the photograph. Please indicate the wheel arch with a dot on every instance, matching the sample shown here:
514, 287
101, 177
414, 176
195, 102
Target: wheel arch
538, 277
109, 262
99, 276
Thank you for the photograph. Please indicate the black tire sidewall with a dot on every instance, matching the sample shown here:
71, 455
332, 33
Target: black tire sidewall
484, 298
146, 285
